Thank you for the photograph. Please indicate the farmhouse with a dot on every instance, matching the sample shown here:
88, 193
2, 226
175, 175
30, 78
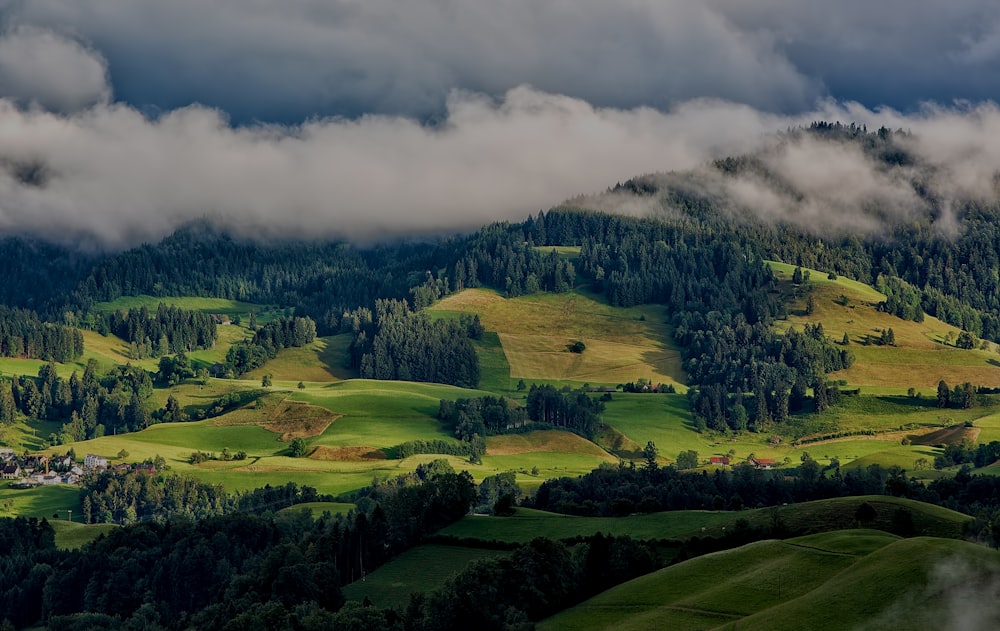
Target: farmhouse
762, 463
719, 460
11, 471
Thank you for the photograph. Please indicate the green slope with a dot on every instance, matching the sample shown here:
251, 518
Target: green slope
839, 580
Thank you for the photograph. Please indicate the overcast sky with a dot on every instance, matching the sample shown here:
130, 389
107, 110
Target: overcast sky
363, 118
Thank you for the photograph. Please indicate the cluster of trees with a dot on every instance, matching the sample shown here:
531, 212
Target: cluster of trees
482, 416
282, 332
963, 396
545, 408
155, 334
574, 411
23, 334
397, 343
464, 448
89, 406
503, 256
968, 452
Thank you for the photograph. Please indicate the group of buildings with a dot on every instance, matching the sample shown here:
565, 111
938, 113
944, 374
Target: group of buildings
41, 470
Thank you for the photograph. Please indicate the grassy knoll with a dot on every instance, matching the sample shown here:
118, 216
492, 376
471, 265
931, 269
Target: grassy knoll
825, 582
535, 331
323, 360
818, 516
988, 426
381, 413
920, 358
71, 535
419, 569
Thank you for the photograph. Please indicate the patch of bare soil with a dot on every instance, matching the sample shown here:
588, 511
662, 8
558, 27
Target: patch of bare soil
347, 454
948, 436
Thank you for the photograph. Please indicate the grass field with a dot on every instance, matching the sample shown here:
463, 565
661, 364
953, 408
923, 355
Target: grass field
535, 331
44, 501
839, 580
71, 535
324, 360
815, 516
420, 569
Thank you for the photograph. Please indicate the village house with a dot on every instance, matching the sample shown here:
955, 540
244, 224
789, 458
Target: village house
762, 463
47, 479
722, 461
92, 461
10, 471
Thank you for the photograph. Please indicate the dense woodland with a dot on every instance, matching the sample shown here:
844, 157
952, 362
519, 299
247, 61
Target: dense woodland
240, 566
167, 330
23, 334
395, 342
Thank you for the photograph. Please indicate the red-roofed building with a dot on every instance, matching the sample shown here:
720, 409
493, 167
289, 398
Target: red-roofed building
763, 463
719, 460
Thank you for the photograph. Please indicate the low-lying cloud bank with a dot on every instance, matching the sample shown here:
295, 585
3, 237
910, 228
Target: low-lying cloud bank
111, 177
81, 168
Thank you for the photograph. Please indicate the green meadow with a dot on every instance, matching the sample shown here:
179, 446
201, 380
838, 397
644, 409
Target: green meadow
535, 332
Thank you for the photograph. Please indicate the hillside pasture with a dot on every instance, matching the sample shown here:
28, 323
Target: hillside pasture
920, 357
324, 360
822, 582
536, 331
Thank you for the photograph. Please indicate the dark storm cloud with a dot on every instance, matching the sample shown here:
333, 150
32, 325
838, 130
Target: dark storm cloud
290, 59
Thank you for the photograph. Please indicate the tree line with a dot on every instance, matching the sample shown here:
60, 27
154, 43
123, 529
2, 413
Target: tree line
394, 342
